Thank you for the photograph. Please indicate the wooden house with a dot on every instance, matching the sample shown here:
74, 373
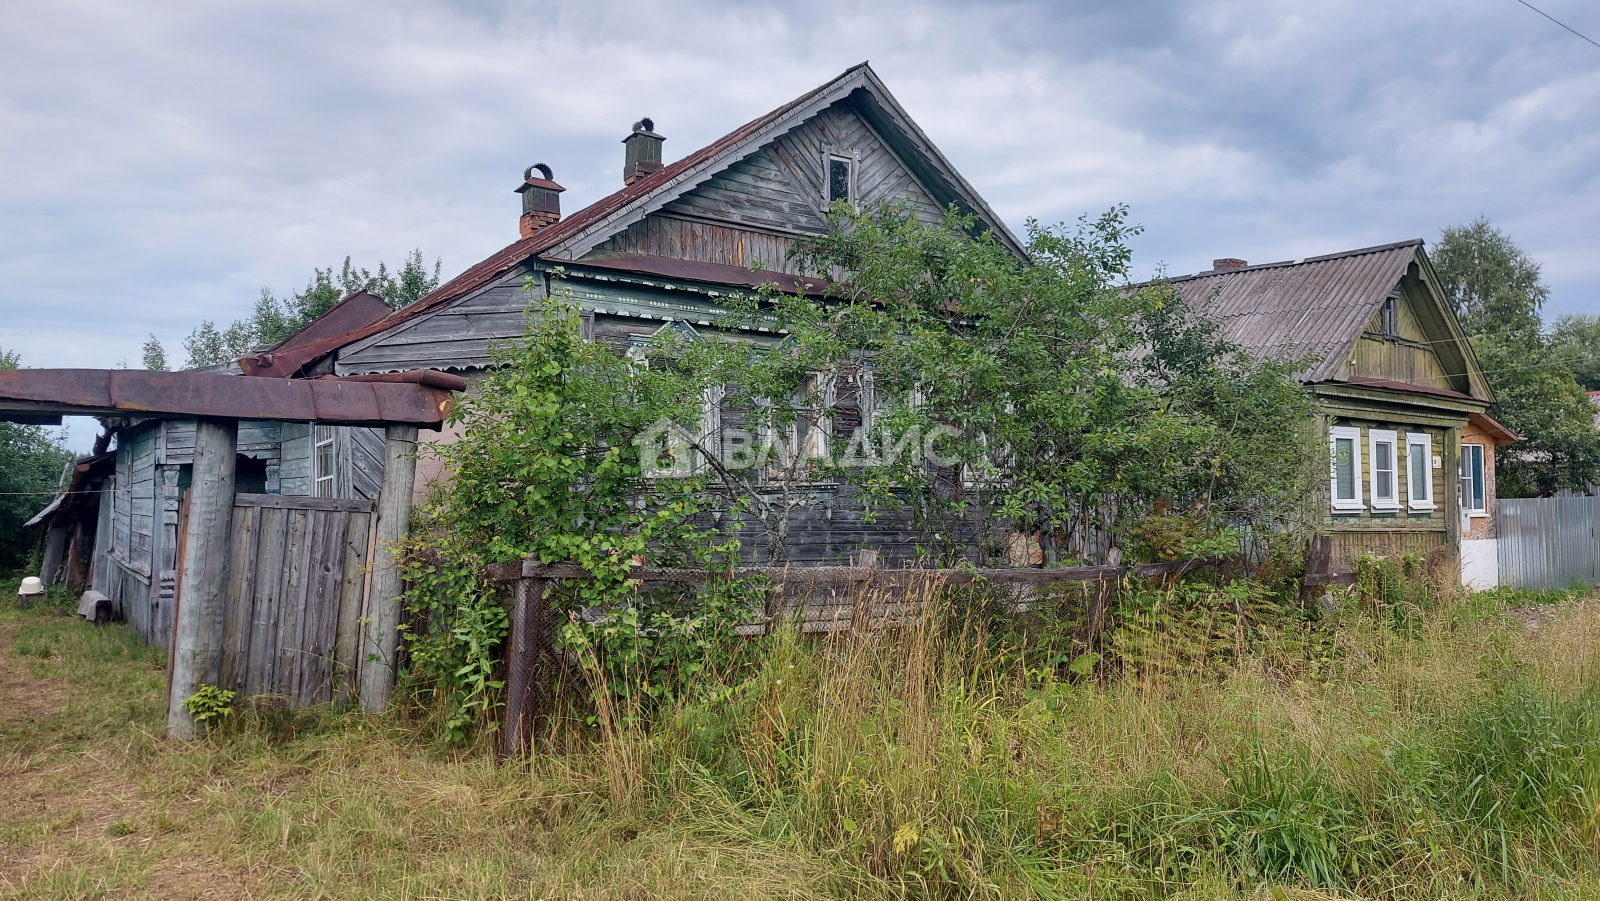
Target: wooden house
1400, 398
660, 253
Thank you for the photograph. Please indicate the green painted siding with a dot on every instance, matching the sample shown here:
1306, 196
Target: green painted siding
1404, 530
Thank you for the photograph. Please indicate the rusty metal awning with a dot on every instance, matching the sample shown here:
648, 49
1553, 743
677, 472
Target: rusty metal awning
35, 395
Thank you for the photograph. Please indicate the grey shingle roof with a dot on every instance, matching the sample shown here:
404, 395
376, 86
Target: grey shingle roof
1316, 306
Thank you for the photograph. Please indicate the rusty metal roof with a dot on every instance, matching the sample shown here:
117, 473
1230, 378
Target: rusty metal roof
183, 395
1314, 307
632, 199
305, 345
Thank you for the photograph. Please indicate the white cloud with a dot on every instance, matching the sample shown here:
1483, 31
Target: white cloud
165, 162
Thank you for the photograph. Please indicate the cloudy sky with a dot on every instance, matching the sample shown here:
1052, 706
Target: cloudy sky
161, 163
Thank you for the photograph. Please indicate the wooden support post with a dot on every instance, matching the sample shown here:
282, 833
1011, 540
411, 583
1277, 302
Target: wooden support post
381, 631
527, 657
55, 547
197, 638
1097, 612
1319, 566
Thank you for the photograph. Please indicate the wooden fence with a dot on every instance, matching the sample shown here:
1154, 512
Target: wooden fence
297, 568
823, 598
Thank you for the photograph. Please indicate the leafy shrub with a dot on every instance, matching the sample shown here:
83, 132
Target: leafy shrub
210, 705
650, 652
546, 466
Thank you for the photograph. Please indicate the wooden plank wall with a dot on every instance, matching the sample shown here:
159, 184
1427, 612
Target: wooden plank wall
294, 462
1349, 546
676, 238
296, 574
362, 452
784, 185
453, 338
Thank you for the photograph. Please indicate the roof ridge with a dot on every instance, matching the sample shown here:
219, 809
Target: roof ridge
1211, 273
571, 225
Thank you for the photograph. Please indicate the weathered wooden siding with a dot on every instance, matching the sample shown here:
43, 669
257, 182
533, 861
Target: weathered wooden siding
664, 235
362, 458
457, 337
1446, 480
783, 186
746, 215
1350, 546
294, 466
1409, 357
1402, 531
294, 596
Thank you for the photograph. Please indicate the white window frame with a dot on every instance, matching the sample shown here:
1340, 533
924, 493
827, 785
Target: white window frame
1482, 475
1424, 441
318, 476
851, 159
1376, 437
1345, 505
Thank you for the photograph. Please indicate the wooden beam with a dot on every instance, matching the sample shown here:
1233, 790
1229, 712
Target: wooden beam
293, 502
197, 649
380, 634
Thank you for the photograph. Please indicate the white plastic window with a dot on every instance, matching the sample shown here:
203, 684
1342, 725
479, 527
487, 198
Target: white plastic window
1473, 499
1419, 471
1382, 448
1344, 476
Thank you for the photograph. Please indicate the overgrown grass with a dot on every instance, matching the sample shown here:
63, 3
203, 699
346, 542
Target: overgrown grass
1448, 753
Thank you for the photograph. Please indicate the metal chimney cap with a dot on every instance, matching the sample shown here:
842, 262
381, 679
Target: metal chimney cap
645, 126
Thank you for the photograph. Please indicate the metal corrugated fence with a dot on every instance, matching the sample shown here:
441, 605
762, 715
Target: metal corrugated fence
1549, 542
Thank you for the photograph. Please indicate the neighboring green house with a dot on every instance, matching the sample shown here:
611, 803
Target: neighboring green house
1396, 386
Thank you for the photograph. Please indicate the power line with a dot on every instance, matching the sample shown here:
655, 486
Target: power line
1557, 21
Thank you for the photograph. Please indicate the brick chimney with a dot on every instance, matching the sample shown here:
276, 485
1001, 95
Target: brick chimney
642, 152
1227, 263
541, 199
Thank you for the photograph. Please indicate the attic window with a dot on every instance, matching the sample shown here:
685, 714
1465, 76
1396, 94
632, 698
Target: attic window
1391, 315
841, 178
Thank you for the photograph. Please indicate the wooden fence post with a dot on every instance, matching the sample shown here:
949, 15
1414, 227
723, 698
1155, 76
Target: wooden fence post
531, 646
381, 633
1319, 567
1097, 612
197, 642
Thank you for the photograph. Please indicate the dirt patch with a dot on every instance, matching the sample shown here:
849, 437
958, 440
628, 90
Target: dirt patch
1537, 617
24, 698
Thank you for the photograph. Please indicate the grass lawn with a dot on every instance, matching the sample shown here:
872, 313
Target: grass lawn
1452, 758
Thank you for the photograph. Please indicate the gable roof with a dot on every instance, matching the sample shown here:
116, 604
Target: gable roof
318, 336
578, 233
1317, 306
1312, 307
574, 236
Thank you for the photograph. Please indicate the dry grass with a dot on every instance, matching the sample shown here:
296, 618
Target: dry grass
920, 764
